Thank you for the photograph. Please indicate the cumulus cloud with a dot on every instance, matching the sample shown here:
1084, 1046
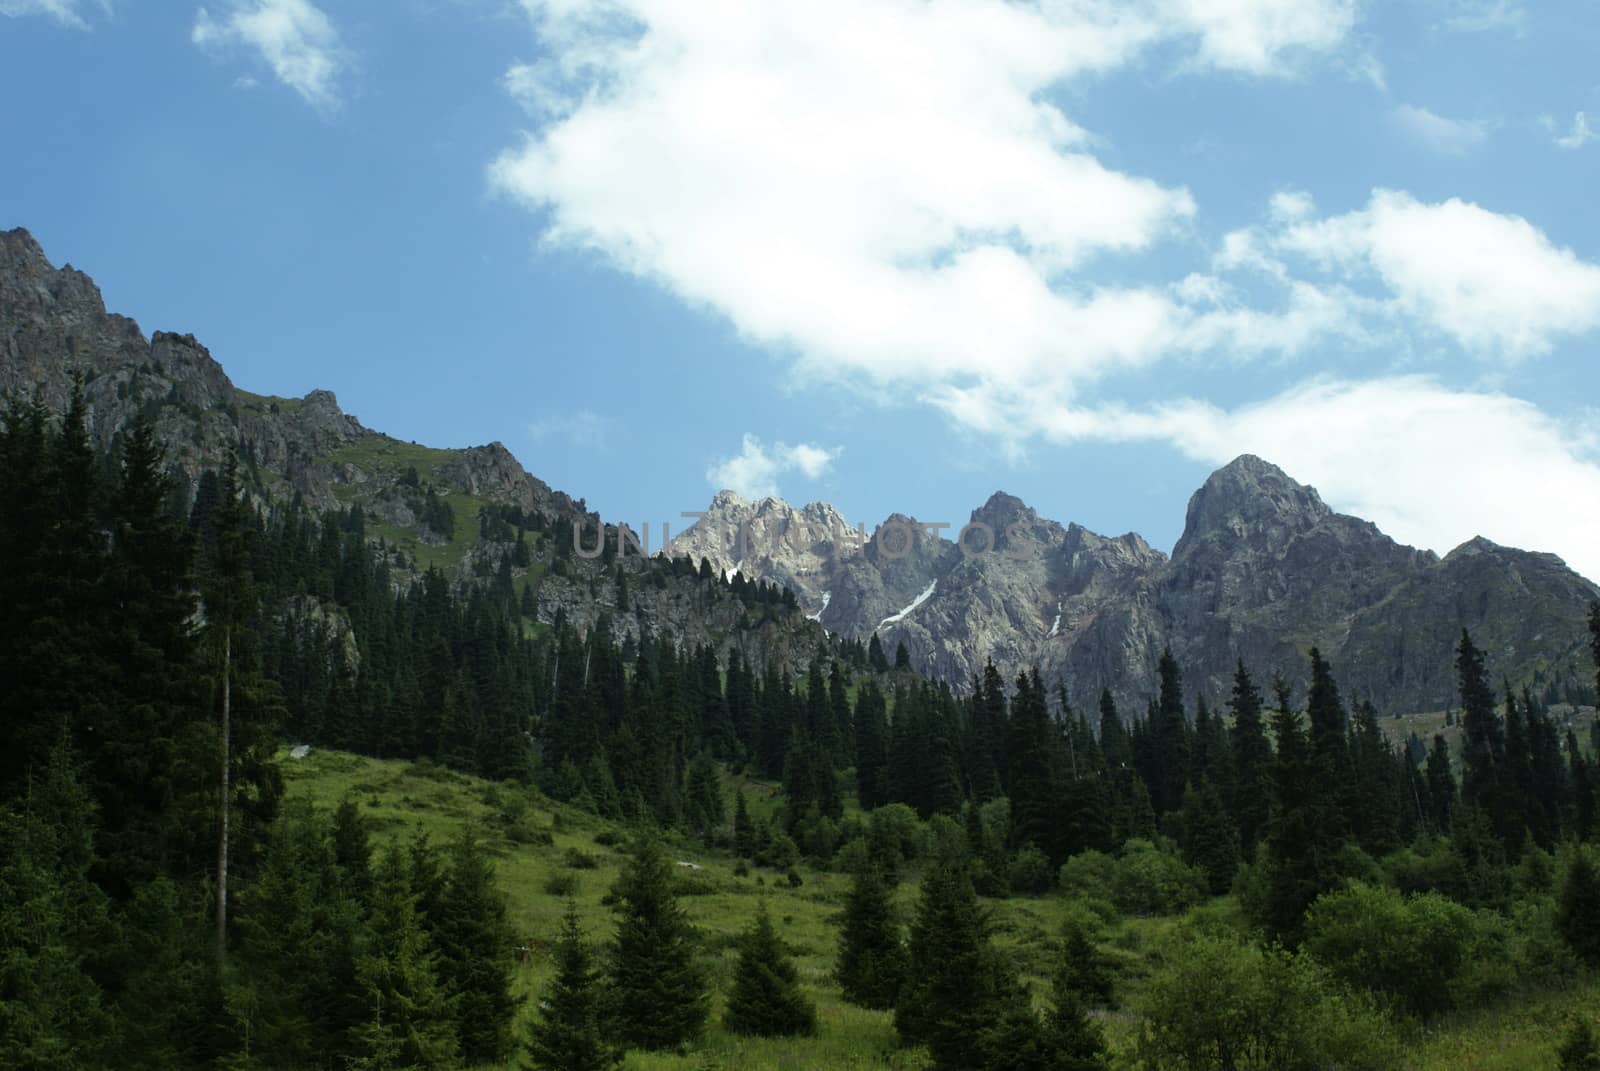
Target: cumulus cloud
66, 12
1495, 284
754, 471
879, 186
1453, 137
583, 428
295, 38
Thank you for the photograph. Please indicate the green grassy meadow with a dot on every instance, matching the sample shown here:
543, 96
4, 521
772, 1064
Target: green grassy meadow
537, 842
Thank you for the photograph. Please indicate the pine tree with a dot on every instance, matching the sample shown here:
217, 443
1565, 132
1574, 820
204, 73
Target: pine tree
474, 939
1080, 977
51, 1011
409, 1021
1210, 841
872, 747
1330, 767
875, 655
957, 986
1169, 739
872, 959
1441, 786
766, 999
1252, 762
657, 989
569, 1033
300, 924
1302, 846
1482, 740
902, 657
1578, 909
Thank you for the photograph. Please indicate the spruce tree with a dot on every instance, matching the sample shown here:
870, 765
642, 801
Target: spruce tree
1482, 740
474, 938
52, 1015
957, 986
657, 990
1080, 978
1441, 781
1210, 841
766, 999
569, 1033
872, 961
1302, 845
1578, 907
1169, 740
409, 1019
300, 926
1252, 762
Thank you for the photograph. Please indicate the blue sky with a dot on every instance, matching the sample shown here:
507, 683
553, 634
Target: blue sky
893, 254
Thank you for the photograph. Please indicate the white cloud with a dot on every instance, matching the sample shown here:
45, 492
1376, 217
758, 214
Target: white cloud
879, 186
1256, 36
583, 428
1453, 137
1488, 16
295, 38
1577, 136
754, 471
66, 12
1493, 283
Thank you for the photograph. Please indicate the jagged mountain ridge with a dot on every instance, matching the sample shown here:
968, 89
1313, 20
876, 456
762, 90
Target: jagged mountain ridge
54, 328
1264, 570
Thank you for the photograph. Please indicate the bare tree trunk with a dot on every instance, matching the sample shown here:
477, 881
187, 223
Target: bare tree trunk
224, 782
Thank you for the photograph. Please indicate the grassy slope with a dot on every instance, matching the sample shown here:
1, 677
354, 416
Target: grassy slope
401, 799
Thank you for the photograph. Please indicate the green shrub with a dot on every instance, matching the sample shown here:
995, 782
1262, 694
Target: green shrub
1029, 872
562, 885
1216, 1003
1148, 881
1415, 953
578, 859
1088, 875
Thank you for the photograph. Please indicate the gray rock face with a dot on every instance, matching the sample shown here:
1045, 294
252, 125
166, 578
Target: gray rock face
54, 327
1264, 571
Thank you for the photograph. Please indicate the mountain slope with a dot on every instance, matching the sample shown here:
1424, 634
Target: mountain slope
463, 511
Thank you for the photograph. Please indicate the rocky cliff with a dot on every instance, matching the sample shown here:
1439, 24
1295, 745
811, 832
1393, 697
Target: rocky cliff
1264, 571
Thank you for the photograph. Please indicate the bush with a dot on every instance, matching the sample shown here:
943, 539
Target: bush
577, 859
895, 835
1148, 881
1029, 872
1218, 1003
608, 838
780, 853
562, 885
1416, 953
524, 831
794, 879
1088, 875
1580, 1049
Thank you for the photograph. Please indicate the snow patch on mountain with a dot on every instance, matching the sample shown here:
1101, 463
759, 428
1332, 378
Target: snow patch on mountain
916, 602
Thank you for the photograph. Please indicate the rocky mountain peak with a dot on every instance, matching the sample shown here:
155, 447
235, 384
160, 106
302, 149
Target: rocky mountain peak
1250, 500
